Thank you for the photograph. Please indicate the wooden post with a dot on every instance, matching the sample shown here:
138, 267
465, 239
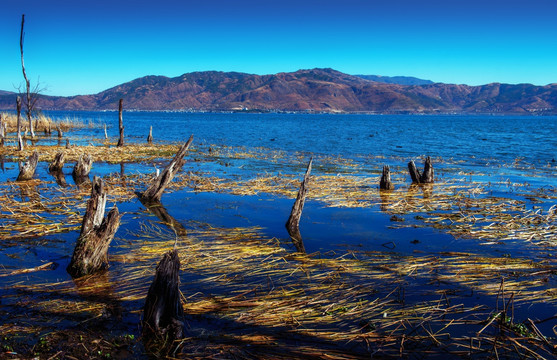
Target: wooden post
153, 194
27, 171
414, 172
293, 223
91, 249
58, 163
163, 312
120, 123
19, 139
83, 166
150, 137
385, 183
427, 175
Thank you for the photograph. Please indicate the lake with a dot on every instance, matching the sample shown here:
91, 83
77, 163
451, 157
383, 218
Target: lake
492, 206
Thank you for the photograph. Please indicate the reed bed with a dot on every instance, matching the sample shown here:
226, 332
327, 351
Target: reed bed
248, 296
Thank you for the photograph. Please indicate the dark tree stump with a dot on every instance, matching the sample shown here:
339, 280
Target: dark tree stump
91, 249
83, 166
293, 223
385, 182
427, 175
59, 130
153, 194
414, 172
120, 122
163, 313
150, 136
58, 163
27, 171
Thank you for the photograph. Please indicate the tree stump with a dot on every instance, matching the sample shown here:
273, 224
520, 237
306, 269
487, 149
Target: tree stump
154, 192
58, 163
91, 249
163, 312
27, 171
385, 182
293, 223
83, 166
120, 123
150, 136
414, 172
427, 175
59, 130
421, 178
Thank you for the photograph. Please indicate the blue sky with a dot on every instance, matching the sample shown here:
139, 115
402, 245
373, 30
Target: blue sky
82, 47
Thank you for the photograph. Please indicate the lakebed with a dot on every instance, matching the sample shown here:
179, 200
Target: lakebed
464, 267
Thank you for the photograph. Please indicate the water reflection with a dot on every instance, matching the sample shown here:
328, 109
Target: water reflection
59, 177
157, 209
98, 288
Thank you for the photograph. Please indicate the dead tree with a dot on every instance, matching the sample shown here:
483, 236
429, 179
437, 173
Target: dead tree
150, 136
154, 192
385, 182
120, 123
293, 223
421, 178
59, 130
20, 145
97, 231
2, 133
27, 171
163, 312
58, 163
83, 166
30, 99
105, 133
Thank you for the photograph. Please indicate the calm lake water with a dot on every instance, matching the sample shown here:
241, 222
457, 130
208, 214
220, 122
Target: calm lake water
512, 156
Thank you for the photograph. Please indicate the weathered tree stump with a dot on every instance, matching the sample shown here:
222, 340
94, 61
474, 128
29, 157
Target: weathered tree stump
83, 166
2, 132
154, 192
91, 249
105, 133
150, 136
58, 163
414, 172
27, 171
427, 175
163, 312
293, 223
59, 130
120, 123
385, 182
67, 143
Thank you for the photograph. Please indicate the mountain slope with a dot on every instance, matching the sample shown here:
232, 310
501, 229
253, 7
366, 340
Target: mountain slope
306, 90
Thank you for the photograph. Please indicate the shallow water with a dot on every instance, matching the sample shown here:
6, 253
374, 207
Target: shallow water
510, 156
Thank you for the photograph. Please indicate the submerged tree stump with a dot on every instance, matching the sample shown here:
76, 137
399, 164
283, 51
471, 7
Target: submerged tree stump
27, 171
427, 175
58, 163
150, 136
83, 166
154, 192
385, 182
414, 172
163, 312
120, 123
293, 223
59, 130
91, 249
20, 145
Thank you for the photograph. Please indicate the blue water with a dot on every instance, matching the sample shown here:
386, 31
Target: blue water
474, 139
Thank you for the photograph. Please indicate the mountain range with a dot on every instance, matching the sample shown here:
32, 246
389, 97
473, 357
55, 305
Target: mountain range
318, 90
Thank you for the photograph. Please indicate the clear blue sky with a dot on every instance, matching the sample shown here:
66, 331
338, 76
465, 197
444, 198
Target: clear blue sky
83, 47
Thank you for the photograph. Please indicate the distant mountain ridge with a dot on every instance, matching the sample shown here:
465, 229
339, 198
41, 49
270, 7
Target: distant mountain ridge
401, 80
319, 90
